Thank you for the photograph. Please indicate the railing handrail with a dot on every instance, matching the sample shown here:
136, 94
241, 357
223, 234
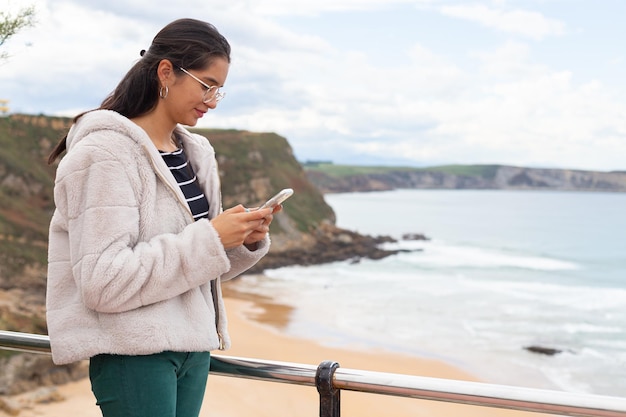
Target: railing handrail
426, 388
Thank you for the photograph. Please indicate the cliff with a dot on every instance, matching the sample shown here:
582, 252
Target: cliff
330, 179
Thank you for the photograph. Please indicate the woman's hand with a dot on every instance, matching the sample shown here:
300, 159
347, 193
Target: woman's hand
260, 232
238, 225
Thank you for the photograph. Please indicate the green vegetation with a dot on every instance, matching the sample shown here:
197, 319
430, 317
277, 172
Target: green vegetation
351, 170
246, 158
8, 353
339, 171
12, 24
26, 179
486, 171
25, 194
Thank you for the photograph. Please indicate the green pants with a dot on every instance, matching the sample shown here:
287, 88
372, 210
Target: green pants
167, 384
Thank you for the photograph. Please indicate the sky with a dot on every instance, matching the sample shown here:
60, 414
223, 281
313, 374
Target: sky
537, 83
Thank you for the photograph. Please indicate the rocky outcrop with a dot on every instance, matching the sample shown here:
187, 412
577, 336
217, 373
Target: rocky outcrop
28, 379
543, 350
28, 371
14, 405
327, 244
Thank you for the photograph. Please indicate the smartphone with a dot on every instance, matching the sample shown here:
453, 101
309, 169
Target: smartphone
278, 198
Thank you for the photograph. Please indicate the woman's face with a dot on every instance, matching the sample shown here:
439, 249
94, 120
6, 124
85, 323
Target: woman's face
188, 99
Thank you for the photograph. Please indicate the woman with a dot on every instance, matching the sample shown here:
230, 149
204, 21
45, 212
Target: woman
139, 242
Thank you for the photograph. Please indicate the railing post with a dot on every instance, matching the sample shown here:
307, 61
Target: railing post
329, 395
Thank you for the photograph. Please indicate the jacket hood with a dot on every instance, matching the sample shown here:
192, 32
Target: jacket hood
101, 121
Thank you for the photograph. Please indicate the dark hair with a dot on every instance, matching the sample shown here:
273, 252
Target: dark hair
188, 43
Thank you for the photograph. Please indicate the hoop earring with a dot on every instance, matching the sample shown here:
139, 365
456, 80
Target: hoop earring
164, 91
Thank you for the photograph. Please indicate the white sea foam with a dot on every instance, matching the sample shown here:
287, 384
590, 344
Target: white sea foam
441, 254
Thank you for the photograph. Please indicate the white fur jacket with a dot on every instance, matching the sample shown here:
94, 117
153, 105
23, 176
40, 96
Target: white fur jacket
129, 271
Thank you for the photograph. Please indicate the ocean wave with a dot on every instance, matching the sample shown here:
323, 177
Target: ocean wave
442, 255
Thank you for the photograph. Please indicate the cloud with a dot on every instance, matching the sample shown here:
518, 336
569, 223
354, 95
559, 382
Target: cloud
521, 22
68, 58
397, 81
503, 107
318, 7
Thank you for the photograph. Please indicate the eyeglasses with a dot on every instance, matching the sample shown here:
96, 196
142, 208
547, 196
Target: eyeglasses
212, 92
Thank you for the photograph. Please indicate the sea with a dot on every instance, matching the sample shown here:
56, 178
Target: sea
500, 271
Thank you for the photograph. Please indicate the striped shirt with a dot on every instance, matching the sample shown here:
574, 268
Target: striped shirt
188, 182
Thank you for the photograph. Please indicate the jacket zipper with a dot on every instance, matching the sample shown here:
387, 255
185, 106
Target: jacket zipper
213, 286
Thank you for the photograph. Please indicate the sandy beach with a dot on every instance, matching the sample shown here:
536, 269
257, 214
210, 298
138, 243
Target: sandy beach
255, 330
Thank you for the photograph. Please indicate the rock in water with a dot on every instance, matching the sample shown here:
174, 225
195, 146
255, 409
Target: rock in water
543, 350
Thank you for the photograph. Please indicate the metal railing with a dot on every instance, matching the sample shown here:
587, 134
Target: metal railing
330, 379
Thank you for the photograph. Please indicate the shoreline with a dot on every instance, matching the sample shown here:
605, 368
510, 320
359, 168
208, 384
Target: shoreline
254, 325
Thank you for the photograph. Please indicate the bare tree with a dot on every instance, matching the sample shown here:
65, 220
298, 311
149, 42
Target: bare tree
10, 24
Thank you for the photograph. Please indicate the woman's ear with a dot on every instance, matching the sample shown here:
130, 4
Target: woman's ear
165, 71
